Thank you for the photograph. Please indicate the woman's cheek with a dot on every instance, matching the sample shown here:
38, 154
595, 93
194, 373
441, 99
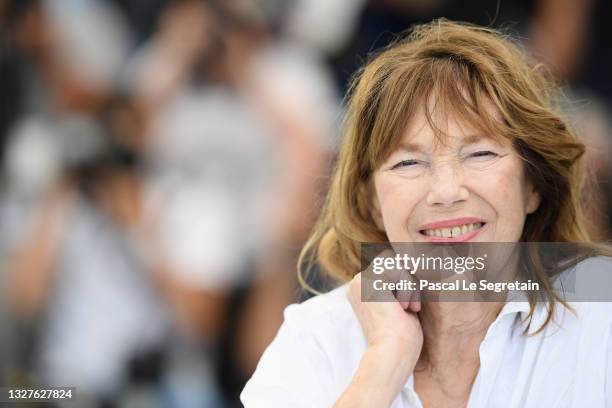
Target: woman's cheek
510, 190
397, 207
498, 184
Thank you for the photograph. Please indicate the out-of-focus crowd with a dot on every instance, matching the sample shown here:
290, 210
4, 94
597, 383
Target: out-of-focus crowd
162, 162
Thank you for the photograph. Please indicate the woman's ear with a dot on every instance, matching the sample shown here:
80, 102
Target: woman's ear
533, 199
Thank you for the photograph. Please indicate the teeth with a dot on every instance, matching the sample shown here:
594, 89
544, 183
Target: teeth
452, 232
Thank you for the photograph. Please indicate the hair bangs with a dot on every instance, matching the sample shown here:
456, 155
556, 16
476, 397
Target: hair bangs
442, 88
458, 93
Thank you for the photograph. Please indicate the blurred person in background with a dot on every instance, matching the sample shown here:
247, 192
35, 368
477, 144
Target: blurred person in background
80, 273
239, 149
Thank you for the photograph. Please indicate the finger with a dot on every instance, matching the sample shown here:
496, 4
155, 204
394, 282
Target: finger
410, 299
415, 305
407, 295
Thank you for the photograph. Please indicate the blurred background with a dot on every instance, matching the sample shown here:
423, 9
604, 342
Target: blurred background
161, 163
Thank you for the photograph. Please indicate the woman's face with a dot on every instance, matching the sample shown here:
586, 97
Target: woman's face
469, 188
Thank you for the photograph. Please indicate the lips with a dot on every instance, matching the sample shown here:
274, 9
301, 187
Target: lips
455, 230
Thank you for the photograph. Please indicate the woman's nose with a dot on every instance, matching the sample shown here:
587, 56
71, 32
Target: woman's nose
447, 184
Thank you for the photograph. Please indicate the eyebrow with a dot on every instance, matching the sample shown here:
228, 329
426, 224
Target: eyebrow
415, 147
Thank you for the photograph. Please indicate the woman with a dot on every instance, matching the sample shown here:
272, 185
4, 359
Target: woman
451, 136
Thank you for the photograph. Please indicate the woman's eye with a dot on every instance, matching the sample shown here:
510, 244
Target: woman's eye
405, 163
483, 153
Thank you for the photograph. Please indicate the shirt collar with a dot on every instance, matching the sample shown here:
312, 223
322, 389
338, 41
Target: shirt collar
516, 302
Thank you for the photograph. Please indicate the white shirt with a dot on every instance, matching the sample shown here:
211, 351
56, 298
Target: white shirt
318, 348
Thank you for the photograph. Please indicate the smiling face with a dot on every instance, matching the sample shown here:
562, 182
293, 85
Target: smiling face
462, 187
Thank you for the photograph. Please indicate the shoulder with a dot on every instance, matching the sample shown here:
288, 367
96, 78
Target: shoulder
324, 316
586, 288
312, 355
597, 263
320, 306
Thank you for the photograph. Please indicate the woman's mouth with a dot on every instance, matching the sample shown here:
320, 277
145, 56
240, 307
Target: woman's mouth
457, 233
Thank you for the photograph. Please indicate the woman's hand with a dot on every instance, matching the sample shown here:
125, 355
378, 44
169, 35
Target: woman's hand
394, 340
388, 319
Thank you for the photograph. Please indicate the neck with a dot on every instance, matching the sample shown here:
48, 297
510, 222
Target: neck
453, 332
